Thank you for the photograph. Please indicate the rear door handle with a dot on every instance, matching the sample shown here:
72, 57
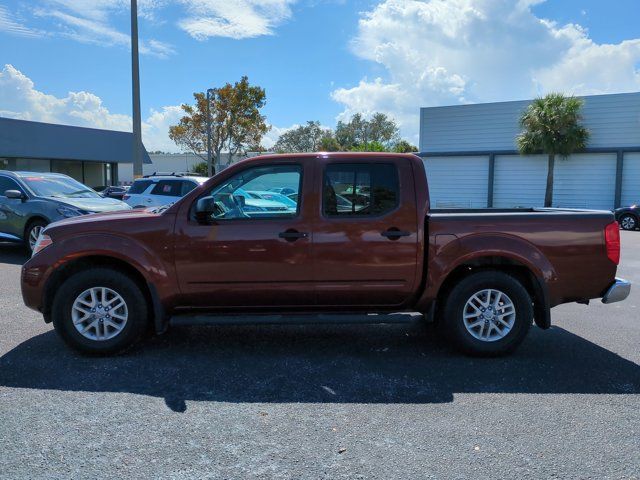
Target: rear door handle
394, 233
292, 235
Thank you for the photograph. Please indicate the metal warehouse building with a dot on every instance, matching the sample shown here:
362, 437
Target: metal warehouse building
472, 160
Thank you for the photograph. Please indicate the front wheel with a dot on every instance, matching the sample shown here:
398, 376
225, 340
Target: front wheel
487, 314
628, 222
100, 311
33, 232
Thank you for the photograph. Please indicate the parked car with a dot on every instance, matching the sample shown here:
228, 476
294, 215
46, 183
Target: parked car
275, 197
283, 190
484, 276
113, 191
628, 217
29, 201
157, 190
254, 204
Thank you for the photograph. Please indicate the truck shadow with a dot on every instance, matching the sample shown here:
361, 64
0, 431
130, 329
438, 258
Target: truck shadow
13, 254
339, 364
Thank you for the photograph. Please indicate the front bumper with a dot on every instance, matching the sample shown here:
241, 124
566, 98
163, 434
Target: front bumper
617, 292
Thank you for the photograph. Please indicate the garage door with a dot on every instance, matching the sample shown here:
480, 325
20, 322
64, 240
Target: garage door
585, 181
519, 181
458, 182
631, 179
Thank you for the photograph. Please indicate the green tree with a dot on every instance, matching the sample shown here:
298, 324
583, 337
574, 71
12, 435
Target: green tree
403, 146
305, 138
200, 169
552, 125
369, 147
236, 121
359, 132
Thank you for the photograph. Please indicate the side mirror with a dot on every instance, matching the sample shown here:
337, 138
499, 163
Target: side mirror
15, 194
205, 209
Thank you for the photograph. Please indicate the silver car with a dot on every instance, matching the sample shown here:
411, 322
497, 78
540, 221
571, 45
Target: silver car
29, 201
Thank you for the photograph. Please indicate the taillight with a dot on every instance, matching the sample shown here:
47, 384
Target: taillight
612, 241
126, 197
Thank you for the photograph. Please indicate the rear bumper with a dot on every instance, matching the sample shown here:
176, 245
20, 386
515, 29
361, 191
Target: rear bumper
617, 292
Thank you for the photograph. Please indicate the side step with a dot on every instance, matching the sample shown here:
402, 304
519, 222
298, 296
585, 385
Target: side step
293, 319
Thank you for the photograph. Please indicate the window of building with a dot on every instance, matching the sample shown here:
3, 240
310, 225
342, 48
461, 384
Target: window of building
33, 165
360, 189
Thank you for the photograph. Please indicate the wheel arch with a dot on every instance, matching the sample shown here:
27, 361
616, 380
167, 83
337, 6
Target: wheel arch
64, 272
533, 283
33, 218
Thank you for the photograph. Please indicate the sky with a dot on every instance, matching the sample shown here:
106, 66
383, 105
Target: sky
68, 61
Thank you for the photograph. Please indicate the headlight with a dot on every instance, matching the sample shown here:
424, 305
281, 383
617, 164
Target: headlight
43, 242
69, 212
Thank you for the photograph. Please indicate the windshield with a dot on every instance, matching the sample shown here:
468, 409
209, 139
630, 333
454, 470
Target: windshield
58, 187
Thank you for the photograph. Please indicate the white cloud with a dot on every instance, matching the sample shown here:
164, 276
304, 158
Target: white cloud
88, 21
438, 52
20, 99
9, 23
235, 19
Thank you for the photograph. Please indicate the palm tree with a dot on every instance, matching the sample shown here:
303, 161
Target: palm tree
551, 125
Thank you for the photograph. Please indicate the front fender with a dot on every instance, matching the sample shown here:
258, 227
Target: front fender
156, 269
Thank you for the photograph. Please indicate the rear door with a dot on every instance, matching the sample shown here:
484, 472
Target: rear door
365, 241
252, 256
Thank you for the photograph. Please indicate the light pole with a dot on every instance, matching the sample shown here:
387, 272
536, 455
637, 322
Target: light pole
209, 161
135, 86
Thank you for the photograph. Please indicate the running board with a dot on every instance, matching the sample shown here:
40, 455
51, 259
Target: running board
293, 319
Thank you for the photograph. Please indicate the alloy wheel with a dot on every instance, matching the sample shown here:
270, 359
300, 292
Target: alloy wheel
99, 313
489, 315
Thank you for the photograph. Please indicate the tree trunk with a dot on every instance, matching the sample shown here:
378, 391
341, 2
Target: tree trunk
548, 196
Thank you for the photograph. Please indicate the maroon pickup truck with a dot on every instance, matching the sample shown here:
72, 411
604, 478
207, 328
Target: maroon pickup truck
319, 237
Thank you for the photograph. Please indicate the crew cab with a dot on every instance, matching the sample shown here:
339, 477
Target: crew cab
484, 276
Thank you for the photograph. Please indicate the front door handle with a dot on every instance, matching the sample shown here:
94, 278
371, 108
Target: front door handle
394, 233
292, 235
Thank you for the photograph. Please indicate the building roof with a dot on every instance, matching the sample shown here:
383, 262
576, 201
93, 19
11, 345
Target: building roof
25, 139
613, 120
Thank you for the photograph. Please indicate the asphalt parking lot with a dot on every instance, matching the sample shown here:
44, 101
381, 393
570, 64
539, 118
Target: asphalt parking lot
324, 401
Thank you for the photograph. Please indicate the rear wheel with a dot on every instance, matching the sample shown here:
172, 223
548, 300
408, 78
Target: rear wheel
32, 232
100, 311
628, 222
487, 314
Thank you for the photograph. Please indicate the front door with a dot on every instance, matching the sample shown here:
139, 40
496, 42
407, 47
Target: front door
365, 241
257, 252
13, 211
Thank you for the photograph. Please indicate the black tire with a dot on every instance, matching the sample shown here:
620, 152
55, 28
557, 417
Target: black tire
28, 231
453, 323
628, 222
136, 304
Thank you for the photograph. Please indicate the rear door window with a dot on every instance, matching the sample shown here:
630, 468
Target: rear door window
168, 188
139, 186
360, 189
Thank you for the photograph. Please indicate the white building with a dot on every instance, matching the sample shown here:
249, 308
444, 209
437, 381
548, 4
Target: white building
472, 160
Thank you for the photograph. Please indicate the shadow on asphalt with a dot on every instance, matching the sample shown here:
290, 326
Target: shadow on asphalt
13, 254
337, 364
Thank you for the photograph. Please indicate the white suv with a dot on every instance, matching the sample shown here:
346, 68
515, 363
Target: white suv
160, 189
